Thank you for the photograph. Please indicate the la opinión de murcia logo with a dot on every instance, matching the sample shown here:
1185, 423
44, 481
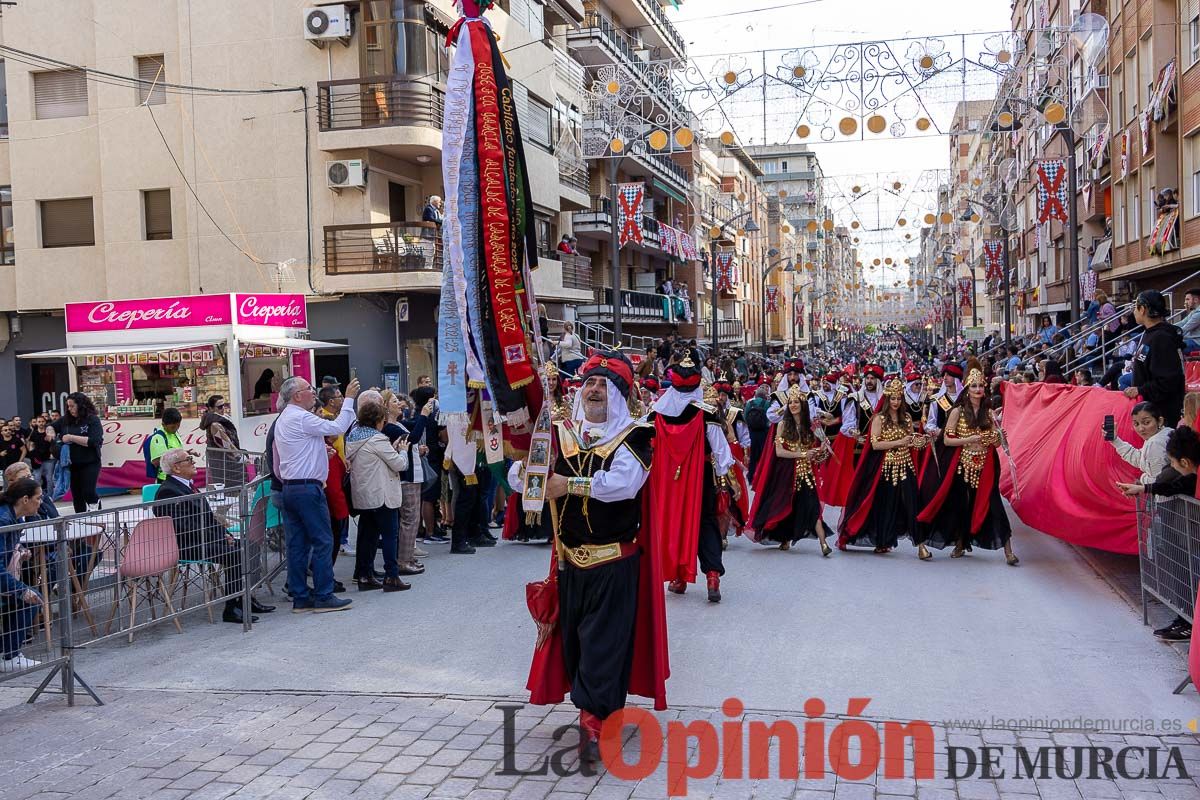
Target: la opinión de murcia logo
852, 749
262, 315
103, 314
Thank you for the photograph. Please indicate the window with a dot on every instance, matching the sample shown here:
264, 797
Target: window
1191, 156
151, 73
7, 252
1194, 39
3, 101
68, 223
1119, 216
58, 94
1135, 205
1146, 74
783, 166
156, 206
1118, 108
1131, 87
1151, 211
545, 235
770, 167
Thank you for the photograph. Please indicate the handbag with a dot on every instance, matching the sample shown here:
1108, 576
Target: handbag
429, 478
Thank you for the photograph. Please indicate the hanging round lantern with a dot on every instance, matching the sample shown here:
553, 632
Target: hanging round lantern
923, 124
658, 139
876, 124
930, 219
616, 145
848, 126
730, 78
727, 138
612, 87
799, 72
684, 137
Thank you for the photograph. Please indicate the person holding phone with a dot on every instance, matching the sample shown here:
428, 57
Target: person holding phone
19, 604
1151, 457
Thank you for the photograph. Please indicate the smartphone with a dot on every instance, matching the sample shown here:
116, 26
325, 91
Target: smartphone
354, 373
1110, 428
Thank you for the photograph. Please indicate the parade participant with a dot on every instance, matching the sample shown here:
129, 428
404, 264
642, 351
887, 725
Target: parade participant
792, 375
837, 410
600, 613
786, 506
915, 400
882, 505
691, 464
965, 508
940, 404
560, 406
737, 432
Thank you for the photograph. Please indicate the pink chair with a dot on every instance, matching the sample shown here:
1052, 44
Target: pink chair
151, 552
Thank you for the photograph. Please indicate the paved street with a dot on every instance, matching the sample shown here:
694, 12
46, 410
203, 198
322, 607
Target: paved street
397, 697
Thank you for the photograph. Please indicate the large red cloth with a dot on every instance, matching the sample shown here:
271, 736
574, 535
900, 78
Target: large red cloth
548, 683
742, 504
1067, 472
839, 472
677, 475
1191, 374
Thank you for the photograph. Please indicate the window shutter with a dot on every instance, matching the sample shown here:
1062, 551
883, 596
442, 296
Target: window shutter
158, 213
521, 103
152, 72
536, 124
58, 94
68, 223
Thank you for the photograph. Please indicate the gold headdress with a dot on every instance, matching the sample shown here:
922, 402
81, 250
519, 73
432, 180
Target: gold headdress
687, 362
794, 392
894, 388
975, 376
551, 369
710, 394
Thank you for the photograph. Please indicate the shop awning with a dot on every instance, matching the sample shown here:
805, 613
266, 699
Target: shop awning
292, 344
97, 350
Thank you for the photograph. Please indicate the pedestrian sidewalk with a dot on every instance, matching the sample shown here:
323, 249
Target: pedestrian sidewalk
206, 746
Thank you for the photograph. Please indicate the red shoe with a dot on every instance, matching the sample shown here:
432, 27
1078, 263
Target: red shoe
677, 586
714, 587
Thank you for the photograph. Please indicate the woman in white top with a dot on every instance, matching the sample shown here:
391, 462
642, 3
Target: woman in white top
570, 349
1151, 457
377, 494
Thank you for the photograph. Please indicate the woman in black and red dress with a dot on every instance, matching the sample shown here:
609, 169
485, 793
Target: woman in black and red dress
966, 510
882, 505
786, 507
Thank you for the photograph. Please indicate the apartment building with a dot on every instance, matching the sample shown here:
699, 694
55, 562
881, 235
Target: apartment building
116, 189
631, 44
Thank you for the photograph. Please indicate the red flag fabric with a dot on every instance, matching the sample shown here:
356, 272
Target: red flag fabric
1068, 474
676, 473
1194, 652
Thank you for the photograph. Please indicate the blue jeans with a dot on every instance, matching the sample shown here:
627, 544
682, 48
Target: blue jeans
1125, 381
309, 537
16, 618
1191, 344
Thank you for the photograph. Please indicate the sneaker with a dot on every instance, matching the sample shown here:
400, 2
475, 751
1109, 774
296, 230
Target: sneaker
483, 541
419, 553
332, 604
347, 550
17, 662
438, 539
302, 606
1181, 634
1175, 623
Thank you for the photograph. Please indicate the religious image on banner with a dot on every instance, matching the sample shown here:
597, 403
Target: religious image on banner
1052, 190
1087, 285
772, 299
964, 293
630, 198
668, 239
687, 247
993, 258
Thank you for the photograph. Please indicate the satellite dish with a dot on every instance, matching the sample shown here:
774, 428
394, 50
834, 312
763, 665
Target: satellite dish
1089, 35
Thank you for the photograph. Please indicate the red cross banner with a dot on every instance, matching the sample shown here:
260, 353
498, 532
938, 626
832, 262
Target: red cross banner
993, 259
964, 293
724, 271
1052, 190
629, 212
772, 299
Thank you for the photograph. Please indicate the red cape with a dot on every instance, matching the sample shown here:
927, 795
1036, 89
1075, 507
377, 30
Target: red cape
548, 683
677, 473
839, 472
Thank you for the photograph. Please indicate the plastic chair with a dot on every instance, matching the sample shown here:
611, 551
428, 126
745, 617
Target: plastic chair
150, 553
149, 491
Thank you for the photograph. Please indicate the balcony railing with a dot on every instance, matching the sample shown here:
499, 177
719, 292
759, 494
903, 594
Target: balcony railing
595, 24
644, 305
383, 247
577, 179
378, 102
576, 271
665, 26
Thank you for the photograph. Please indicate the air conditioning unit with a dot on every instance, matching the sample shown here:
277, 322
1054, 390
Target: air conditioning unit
346, 175
323, 23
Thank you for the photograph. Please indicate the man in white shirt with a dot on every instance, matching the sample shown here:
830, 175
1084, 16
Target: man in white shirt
302, 466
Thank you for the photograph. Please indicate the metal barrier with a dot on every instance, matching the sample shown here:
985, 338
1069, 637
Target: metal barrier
1169, 555
102, 575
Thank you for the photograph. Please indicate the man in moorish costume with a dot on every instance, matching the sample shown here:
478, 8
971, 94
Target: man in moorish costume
691, 466
737, 432
600, 613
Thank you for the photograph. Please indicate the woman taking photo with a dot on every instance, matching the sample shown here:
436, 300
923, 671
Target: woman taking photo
407, 439
1151, 457
84, 435
882, 505
965, 508
786, 506
224, 466
375, 489
1158, 362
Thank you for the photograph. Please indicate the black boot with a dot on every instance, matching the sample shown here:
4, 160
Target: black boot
233, 613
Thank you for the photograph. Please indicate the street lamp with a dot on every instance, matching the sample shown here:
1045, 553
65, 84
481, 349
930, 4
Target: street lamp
715, 233
766, 270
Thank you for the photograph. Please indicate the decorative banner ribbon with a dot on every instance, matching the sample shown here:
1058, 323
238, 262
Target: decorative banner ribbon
993, 259
629, 212
1100, 147
687, 247
1052, 190
1144, 120
1087, 285
772, 299
496, 220
1124, 148
724, 272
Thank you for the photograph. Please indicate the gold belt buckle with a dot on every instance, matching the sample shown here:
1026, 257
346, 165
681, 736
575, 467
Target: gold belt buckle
590, 555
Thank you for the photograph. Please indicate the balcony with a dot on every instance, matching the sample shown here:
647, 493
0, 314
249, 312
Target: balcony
664, 27
599, 43
388, 247
576, 271
396, 115
643, 307
729, 331
1093, 209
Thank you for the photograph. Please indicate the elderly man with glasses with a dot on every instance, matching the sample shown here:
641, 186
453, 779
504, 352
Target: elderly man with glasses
201, 537
302, 467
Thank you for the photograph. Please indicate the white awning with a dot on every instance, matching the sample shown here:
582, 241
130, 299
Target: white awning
97, 350
1101, 254
292, 344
